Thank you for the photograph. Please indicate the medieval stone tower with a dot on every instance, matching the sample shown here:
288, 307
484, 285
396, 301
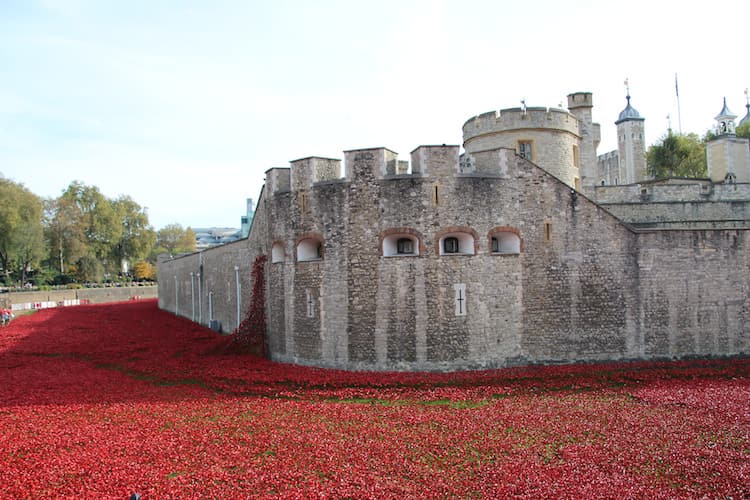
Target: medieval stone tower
580, 105
561, 142
631, 146
728, 156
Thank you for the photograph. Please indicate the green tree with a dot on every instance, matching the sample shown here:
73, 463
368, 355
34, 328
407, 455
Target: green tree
64, 233
173, 239
21, 230
743, 130
138, 237
677, 155
90, 215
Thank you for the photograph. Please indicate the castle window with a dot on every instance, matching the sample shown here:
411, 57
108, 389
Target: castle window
505, 242
400, 242
435, 194
309, 249
575, 156
404, 246
450, 245
457, 244
547, 231
525, 150
277, 253
456, 240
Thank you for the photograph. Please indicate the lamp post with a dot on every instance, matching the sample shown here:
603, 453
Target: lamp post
200, 300
192, 296
237, 279
176, 298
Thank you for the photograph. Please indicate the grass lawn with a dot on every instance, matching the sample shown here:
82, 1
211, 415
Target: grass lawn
102, 401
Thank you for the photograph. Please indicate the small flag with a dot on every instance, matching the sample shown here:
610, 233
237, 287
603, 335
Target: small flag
676, 89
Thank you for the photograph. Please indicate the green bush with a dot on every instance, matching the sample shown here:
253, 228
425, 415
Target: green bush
63, 279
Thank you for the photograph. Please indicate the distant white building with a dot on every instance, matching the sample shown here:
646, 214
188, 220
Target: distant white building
207, 237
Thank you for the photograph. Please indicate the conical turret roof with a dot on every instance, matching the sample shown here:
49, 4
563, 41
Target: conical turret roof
746, 119
629, 113
725, 113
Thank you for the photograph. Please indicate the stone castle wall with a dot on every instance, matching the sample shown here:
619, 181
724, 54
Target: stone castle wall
581, 286
608, 168
203, 286
686, 203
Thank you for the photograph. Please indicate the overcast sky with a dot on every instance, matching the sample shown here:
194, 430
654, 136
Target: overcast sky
183, 105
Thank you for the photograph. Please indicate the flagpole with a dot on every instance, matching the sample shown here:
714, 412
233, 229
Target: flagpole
679, 113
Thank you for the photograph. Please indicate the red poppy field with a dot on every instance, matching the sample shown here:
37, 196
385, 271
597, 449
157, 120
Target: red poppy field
103, 401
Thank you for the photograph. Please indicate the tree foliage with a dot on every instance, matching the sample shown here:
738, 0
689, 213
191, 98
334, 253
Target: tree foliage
677, 155
743, 130
173, 239
80, 236
65, 237
21, 231
137, 236
90, 235
143, 270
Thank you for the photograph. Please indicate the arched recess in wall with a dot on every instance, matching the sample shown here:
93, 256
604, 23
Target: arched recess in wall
401, 242
456, 240
309, 248
278, 254
504, 240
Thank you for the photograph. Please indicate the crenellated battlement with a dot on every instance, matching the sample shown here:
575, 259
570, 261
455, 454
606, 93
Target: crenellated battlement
307, 171
513, 119
367, 162
438, 163
579, 100
435, 161
277, 180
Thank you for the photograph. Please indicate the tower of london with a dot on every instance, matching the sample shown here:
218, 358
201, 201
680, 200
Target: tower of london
525, 247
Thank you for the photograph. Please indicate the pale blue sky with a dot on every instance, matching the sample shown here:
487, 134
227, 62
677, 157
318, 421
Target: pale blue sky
183, 105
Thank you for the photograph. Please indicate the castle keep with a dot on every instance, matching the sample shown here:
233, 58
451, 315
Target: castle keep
498, 256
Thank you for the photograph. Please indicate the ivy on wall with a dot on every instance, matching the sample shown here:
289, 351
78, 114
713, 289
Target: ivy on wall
251, 333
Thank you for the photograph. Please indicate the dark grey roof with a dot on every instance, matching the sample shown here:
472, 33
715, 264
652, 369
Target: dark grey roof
746, 119
629, 113
725, 113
